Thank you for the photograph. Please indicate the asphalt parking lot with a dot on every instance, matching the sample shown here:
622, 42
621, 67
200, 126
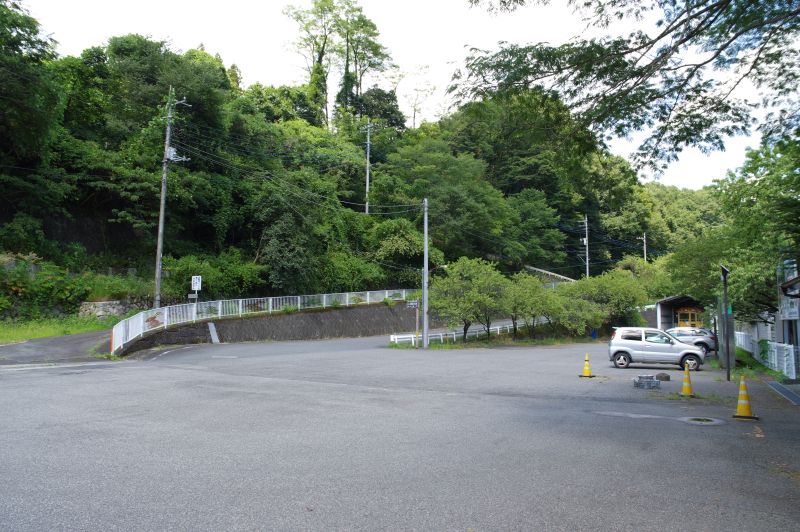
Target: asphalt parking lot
351, 435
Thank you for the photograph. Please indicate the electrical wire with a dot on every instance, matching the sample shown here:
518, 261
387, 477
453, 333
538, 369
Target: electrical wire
300, 193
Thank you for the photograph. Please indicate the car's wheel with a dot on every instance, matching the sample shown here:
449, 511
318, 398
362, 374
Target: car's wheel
622, 360
704, 348
691, 362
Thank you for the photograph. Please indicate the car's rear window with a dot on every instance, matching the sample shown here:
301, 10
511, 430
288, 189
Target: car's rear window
631, 335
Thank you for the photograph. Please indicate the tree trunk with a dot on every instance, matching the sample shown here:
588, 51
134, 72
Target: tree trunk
466, 328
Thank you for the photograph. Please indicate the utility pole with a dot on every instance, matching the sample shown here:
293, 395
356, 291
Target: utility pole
726, 320
425, 275
366, 196
586, 242
643, 238
169, 155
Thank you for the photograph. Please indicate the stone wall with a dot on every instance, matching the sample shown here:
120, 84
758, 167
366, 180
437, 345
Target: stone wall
101, 309
344, 322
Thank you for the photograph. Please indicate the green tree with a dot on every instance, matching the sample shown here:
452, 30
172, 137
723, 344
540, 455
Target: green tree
523, 299
472, 290
573, 311
662, 81
759, 229
317, 27
28, 94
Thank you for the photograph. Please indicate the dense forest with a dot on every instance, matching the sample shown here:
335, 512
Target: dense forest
266, 193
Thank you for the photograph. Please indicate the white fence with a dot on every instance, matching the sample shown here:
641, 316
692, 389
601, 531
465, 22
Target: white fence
449, 336
146, 321
779, 357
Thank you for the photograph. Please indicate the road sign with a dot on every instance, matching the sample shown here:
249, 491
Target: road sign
414, 303
197, 282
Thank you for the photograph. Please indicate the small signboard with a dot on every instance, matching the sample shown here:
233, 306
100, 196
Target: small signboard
197, 282
414, 303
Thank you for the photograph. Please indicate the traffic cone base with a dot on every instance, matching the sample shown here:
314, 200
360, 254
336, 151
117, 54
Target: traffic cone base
587, 370
686, 390
743, 410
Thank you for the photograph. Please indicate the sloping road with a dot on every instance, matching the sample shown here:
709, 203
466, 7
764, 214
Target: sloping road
56, 349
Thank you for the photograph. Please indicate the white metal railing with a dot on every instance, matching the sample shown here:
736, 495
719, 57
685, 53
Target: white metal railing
446, 336
130, 329
779, 357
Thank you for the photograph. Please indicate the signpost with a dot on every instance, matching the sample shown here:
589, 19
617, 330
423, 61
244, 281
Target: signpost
414, 303
197, 283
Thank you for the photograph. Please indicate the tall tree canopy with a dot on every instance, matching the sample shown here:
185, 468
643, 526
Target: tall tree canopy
27, 95
677, 82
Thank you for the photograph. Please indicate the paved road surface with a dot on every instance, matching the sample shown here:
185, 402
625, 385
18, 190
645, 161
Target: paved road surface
350, 435
56, 349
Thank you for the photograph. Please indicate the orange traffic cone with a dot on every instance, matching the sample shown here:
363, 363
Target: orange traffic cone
743, 410
687, 391
587, 371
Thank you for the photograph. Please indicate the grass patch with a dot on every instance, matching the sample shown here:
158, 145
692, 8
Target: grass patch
503, 340
18, 331
714, 398
748, 366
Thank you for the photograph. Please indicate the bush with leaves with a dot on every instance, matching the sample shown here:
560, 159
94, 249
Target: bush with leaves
228, 275
32, 289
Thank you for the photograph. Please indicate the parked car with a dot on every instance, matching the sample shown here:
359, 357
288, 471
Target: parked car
643, 345
702, 338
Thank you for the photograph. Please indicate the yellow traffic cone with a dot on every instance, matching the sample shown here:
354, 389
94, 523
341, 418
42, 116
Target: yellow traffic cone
743, 410
587, 371
687, 391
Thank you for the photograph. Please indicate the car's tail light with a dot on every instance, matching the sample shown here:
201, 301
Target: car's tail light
613, 334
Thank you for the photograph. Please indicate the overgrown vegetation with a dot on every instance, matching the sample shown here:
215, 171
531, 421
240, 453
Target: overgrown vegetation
271, 201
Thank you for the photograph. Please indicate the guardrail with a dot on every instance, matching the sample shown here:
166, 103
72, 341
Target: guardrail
135, 327
444, 337
779, 357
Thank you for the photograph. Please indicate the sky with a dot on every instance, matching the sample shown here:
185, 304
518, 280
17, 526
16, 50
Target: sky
428, 41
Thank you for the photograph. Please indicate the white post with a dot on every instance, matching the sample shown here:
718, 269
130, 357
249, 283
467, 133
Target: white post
324, 300
298, 302
269, 305
425, 276
194, 312
166, 316
347, 299
367, 297
240, 308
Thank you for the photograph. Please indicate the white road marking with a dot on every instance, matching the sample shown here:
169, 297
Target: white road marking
170, 351
54, 365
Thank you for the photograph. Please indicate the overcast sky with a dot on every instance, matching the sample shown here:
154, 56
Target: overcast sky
428, 40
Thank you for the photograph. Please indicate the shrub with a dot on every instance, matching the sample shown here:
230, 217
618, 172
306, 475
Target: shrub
224, 277
32, 289
113, 287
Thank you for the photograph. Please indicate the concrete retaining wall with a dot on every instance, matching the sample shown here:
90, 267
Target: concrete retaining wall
345, 322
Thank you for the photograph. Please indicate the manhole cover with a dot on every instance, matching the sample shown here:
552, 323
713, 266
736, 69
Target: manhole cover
701, 420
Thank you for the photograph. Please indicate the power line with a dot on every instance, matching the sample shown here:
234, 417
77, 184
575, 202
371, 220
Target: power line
248, 170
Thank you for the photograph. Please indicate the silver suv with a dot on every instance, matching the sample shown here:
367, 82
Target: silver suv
694, 335
642, 345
